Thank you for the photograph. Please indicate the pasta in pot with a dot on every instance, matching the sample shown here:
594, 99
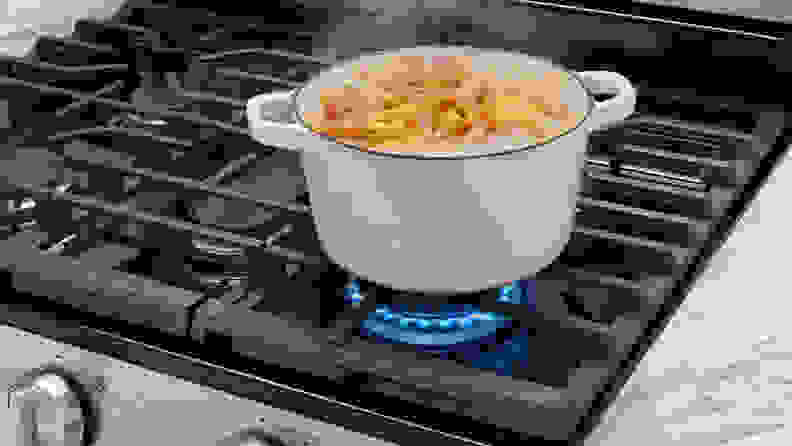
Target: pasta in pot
409, 105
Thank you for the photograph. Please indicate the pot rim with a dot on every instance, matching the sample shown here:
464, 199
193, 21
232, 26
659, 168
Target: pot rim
443, 155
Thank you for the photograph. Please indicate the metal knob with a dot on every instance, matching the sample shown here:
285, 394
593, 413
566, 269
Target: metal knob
252, 437
51, 411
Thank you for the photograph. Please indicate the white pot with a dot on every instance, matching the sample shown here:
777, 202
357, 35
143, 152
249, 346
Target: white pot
443, 222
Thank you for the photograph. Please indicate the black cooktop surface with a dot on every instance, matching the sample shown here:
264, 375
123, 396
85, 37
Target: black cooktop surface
142, 220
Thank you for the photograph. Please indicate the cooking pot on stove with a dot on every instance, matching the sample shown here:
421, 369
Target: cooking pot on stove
443, 222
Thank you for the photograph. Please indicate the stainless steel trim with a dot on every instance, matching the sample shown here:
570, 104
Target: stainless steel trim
649, 19
293, 389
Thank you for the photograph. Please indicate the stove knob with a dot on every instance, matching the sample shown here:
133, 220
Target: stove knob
252, 437
53, 410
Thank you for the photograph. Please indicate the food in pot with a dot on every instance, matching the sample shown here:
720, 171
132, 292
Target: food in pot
410, 104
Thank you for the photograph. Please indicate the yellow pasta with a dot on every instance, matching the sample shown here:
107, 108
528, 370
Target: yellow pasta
410, 105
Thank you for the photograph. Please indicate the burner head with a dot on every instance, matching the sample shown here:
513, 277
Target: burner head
230, 215
439, 325
275, 177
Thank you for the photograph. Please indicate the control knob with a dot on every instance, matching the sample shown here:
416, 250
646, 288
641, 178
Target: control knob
54, 409
252, 437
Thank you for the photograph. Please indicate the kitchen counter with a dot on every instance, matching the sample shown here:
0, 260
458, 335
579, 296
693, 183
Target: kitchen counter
721, 372
722, 369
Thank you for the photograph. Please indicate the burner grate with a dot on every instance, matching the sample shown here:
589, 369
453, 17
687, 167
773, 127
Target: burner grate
623, 219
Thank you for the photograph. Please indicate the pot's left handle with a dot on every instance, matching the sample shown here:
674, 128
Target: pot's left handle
272, 118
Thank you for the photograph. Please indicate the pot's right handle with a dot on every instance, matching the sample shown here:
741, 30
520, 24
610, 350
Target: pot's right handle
614, 111
272, 121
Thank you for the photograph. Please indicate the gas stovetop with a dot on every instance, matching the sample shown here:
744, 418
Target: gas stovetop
142, 220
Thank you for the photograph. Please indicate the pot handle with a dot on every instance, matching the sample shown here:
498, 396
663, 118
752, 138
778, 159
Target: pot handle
272, 121
614, 111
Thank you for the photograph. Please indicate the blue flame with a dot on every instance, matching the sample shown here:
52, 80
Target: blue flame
352, 292
442, 328
506, 293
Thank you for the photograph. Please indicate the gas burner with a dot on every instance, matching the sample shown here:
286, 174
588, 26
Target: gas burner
137, 120
217, 249
198, 270
277, 177
218, 264
212, 278
220, 249
233, 215
439, 326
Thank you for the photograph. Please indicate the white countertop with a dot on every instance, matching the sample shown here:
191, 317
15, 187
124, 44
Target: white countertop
721, 372
722, 369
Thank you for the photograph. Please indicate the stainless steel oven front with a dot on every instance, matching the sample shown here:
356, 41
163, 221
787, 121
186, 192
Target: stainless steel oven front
60, 395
